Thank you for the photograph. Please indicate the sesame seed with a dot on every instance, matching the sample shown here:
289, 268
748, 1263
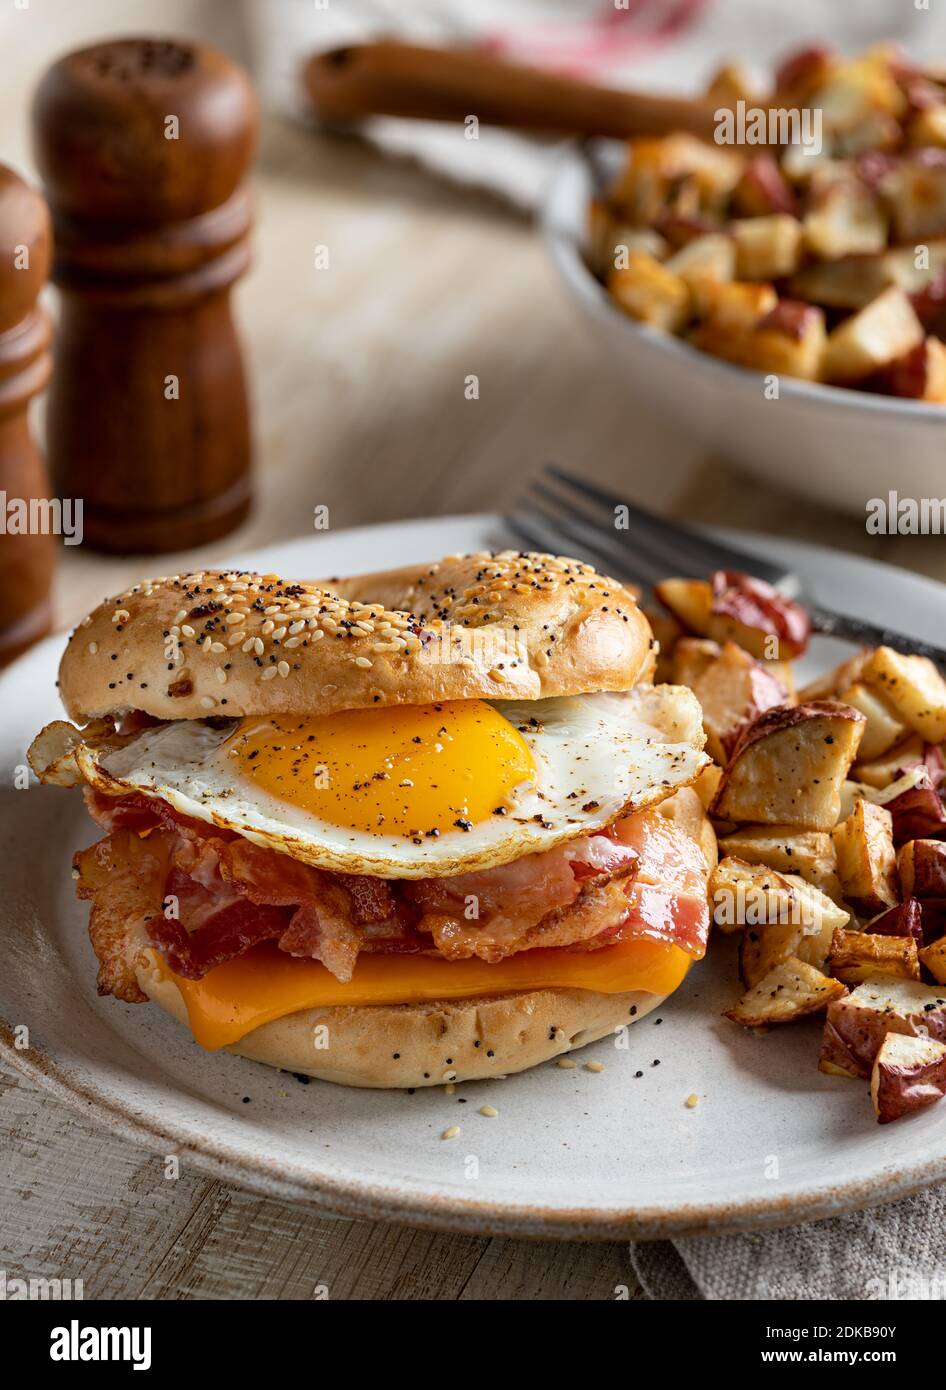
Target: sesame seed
258, 646
566, 1064
207, 701
249, 644
268, 674
594, 1066
217, 647
449, 1076
363, 662
489, 1111
188, 631
283, 668
221, 675
235, 637
93, 647
693, 1101
451, 1132
233, 618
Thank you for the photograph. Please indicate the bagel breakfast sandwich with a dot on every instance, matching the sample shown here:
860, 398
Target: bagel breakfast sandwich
410, 828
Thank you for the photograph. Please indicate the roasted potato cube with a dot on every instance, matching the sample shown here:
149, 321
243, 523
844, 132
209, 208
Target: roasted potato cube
920, 375
691, 656
844, 219
707, 784
883, 771
867, 862
856, 956
736, 307
829, 686
737, 607
857, 1025
933, 958
808, 853
767, 248
916, 807
905, 919
913, 687
733, 690
753, 895
922, 868
710, 258
927, 127
648, 291
801, 74
803, 926
883, 728
916, 191
756, 616
610, 242
790, 341
791, 990
908, 1074
763, 189
689, 600
788, 767
849, 283
914, 274
869, 340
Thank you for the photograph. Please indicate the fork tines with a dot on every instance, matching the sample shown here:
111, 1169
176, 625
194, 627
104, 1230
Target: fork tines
564, 513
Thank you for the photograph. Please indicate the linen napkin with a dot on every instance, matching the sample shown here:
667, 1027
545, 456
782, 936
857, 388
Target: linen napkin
658, 45
891, 1252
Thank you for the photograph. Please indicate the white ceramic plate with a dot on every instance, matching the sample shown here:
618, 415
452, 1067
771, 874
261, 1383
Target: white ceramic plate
839, 446
572, 1154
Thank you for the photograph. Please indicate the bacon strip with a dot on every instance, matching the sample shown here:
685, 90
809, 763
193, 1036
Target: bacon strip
124, 876
225, 894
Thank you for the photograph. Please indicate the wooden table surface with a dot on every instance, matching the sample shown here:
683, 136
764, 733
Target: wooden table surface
358, 378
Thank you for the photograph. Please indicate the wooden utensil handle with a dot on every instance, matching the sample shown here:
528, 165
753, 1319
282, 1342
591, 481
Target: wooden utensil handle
449, 84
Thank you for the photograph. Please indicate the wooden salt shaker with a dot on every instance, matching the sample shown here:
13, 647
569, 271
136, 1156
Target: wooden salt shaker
27, 542
143, 145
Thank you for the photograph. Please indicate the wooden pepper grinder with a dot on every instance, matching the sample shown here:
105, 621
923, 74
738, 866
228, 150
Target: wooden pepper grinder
27, 539
143, 145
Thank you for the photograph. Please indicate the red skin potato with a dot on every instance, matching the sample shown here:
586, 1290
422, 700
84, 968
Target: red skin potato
763, 189
852, 1037
906, 919
766, 692
794, 318
758, 605
902, 1087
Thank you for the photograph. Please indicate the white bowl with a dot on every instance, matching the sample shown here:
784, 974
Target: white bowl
838, 446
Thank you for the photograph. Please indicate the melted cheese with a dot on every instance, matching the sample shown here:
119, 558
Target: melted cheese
266, 984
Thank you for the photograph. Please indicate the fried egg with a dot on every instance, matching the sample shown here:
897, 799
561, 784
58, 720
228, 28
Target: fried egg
418, 791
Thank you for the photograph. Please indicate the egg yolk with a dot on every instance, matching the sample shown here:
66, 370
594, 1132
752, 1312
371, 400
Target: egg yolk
410, 770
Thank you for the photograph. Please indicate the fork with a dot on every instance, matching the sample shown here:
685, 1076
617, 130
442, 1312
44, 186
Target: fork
566, 515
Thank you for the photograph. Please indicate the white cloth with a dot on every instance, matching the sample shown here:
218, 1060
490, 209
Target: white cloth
658, 45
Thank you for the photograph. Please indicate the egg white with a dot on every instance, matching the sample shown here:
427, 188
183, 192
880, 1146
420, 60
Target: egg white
596, 757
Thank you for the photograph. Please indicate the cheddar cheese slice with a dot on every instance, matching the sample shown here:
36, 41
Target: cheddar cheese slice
266, 984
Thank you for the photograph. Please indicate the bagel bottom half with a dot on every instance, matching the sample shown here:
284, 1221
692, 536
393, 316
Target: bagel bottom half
397, 1045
